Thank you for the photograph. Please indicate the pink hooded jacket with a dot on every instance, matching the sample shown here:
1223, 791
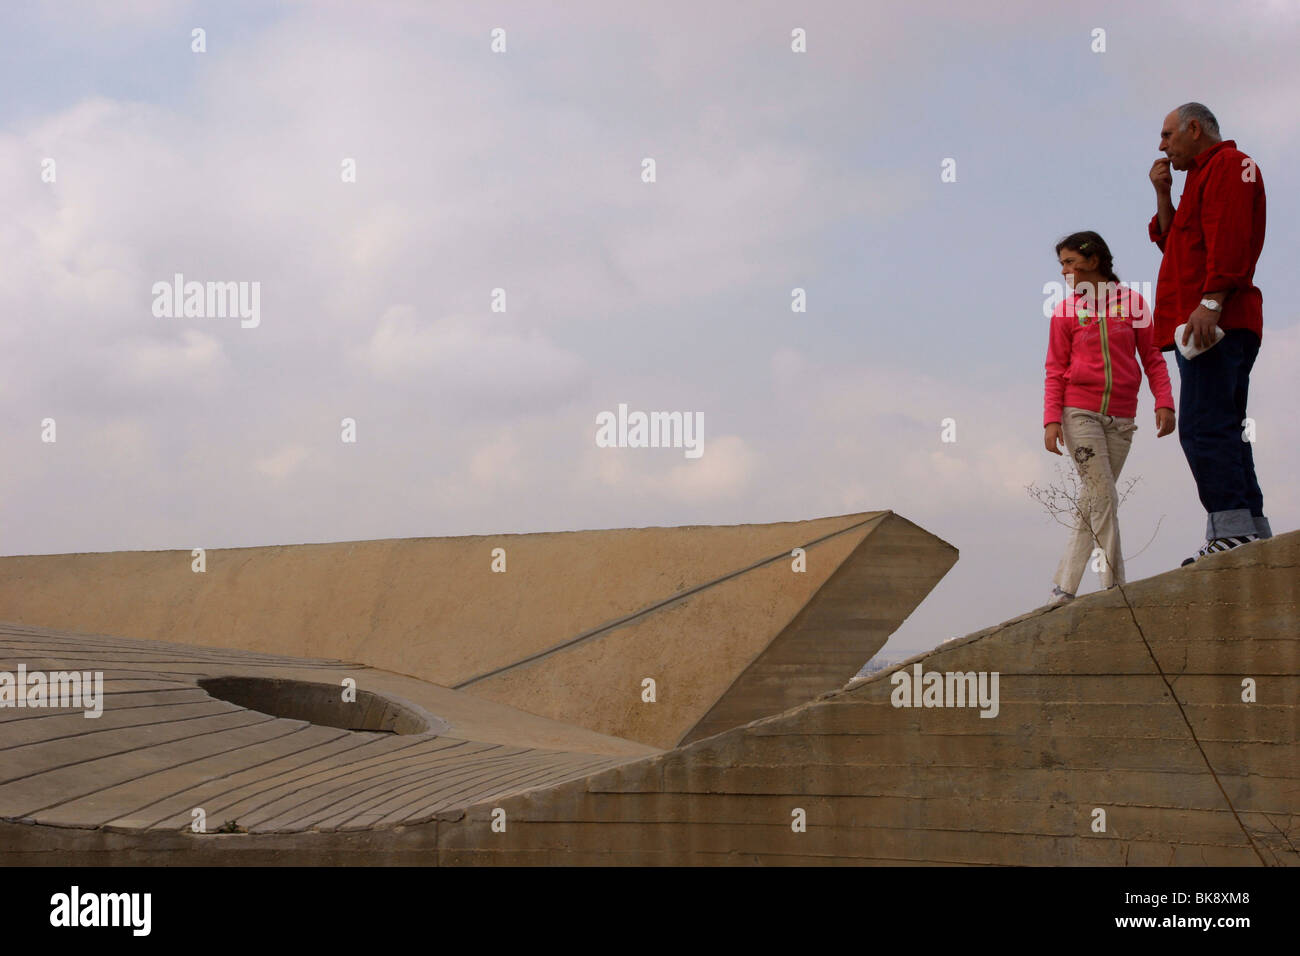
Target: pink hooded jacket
1092, 359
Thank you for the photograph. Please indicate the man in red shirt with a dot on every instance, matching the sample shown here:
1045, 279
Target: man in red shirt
1211, 243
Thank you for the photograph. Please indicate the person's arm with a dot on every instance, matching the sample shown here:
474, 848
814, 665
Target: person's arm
1227, 222
1162, 178
1056, 366
1227, 219
1157, 372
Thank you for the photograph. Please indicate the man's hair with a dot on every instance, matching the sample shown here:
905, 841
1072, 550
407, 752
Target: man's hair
1201, 113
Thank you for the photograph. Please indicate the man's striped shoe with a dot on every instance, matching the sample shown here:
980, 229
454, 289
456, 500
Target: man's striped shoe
1222, 544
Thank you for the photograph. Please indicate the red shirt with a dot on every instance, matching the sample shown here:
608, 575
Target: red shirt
1092, 360
1212, 243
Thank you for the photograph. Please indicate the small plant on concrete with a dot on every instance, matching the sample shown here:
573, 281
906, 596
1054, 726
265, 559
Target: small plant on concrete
1063, 498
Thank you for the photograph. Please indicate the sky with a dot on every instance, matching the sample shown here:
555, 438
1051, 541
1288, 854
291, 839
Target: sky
523, 170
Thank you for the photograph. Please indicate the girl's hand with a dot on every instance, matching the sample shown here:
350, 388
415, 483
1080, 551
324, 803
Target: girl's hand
1164, 421
1052, 437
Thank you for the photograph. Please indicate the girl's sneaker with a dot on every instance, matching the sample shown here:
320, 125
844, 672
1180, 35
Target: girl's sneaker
1221, 544
1059, 596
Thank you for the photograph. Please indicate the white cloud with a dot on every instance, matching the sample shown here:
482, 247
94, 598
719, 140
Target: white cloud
788, 366
474, 356
283, 463
724, 470
497, 462
197, 360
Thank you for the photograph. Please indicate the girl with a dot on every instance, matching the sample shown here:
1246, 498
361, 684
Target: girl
1098, 334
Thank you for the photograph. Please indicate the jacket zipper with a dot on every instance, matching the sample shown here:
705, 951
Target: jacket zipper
1105, 360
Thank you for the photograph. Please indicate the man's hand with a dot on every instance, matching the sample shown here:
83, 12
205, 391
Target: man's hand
1164, 421
1200, 327
1052, 438
1162, 177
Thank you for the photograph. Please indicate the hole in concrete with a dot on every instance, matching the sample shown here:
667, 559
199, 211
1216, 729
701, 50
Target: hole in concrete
323, 704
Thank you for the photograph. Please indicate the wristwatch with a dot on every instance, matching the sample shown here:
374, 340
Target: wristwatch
1211, 305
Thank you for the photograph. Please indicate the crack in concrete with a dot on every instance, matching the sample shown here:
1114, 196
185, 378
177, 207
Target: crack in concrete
1190, 729
1286, 837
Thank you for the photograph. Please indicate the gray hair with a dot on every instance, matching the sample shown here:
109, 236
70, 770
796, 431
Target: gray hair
1201, 113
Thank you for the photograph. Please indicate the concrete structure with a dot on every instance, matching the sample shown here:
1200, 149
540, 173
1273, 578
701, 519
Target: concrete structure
165, 746
570, 630
1159, 724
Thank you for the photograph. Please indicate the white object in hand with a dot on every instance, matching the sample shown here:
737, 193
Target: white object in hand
1190, 350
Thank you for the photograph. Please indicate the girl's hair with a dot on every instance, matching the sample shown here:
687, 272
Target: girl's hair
1090, 244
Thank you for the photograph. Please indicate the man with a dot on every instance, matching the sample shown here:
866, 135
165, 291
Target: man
1211, 244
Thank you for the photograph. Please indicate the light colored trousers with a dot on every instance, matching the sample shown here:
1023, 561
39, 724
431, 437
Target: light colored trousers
1098, 444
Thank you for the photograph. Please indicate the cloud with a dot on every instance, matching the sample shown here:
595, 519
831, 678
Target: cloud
283, 463
725, 470
193, 359
521, 171
497, 462
879, 429
475, 358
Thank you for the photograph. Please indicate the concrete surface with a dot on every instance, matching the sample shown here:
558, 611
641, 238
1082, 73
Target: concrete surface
164, 746
1136, 713
1124, 702
865, 600
570, 631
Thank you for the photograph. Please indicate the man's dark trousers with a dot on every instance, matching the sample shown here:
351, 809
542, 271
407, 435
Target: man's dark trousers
1211, 409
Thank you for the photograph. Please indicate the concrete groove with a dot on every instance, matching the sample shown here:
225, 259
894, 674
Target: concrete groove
330, 774
159, 822
656, 606
357, 744
148, 723
151, 749
493, 786
342, 790
129, 750
470, 773
176, 794
289, 732
55, 712
423, 810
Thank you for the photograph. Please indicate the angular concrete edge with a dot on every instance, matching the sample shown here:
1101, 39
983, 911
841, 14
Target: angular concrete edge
846, 623
692, 644
569, 633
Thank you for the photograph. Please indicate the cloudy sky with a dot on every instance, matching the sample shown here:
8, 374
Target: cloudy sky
522, 170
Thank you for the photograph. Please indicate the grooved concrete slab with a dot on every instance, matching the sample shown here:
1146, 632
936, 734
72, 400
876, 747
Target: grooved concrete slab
163, 747
569, 627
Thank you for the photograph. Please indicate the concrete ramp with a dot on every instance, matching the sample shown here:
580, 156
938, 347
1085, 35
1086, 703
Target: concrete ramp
571, 626
1154, 725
